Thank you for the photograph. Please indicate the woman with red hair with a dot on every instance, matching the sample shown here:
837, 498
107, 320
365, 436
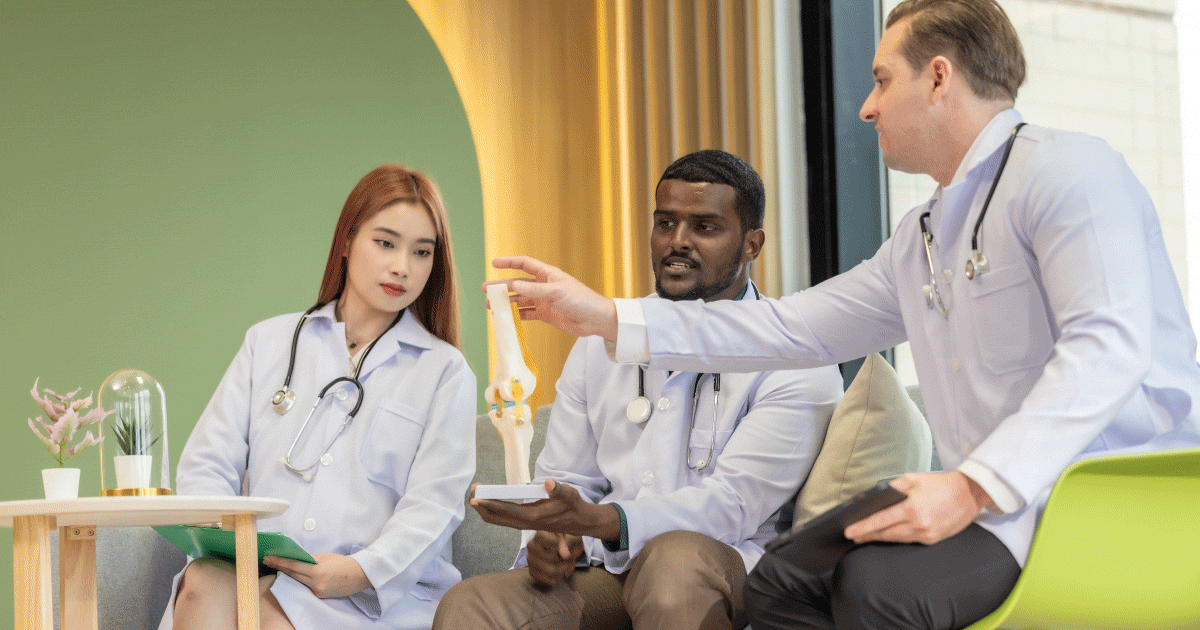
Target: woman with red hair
366, 425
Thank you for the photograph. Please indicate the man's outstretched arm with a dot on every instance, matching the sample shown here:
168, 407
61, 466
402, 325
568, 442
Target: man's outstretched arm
555, 297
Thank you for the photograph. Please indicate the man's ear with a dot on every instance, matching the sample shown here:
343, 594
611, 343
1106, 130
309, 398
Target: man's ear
940, 71
752, 243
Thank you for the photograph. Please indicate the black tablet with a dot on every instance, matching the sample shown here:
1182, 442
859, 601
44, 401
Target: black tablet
819, 544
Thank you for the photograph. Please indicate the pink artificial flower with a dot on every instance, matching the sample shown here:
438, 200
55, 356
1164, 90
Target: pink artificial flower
64, 422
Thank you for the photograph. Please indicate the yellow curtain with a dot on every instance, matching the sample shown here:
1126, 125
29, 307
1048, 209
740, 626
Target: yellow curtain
576, 107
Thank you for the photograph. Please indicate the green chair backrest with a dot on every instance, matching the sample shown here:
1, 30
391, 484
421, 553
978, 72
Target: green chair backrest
1118, 546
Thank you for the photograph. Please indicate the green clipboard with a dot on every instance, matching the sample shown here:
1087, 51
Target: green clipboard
198, 542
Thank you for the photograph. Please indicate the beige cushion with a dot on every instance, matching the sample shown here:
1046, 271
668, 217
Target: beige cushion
876, 432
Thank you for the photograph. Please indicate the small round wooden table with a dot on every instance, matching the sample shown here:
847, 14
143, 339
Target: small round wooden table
77, 520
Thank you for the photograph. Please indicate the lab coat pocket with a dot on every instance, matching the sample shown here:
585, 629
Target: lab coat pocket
702, 441
1011, 320
391, 443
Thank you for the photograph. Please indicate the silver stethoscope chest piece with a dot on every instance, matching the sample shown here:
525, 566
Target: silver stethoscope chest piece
283, 400
978, 263
639, 409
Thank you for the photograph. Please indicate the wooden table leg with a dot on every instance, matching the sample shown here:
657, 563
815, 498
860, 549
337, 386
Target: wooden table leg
33, 605
77, 578
246, 535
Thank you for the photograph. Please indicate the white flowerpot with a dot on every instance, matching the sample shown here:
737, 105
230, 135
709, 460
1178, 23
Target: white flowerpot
60, 483
133, 471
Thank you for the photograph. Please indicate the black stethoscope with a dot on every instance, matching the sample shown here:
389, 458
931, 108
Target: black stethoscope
639, 409
283, 399
977, 263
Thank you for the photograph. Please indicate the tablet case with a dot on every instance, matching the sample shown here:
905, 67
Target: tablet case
199, 542
818, 545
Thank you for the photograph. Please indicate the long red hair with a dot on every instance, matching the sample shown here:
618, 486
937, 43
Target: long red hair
437, 306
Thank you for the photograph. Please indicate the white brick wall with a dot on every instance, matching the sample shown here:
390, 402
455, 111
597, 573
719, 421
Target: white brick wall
1105, 67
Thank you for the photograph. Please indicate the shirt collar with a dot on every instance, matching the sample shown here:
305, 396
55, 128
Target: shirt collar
749, 292
408, 331
993, 136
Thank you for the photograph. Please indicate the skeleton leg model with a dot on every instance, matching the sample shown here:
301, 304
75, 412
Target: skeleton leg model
512, 383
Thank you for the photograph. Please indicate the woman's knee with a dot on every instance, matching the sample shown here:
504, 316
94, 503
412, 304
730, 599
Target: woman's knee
204, 578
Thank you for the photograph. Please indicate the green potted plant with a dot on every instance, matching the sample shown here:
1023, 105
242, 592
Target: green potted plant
66, 419
132, 433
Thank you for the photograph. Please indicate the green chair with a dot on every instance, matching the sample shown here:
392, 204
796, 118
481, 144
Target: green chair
1118, 547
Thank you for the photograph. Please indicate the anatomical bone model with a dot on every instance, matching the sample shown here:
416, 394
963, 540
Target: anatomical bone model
512, 384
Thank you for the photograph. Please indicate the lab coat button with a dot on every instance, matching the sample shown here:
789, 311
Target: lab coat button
955, 364
647, 478
327, 459
310, 524
664, 403
341, 394
966, 448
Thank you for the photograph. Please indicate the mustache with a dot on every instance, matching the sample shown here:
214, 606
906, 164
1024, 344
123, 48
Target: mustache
679, 257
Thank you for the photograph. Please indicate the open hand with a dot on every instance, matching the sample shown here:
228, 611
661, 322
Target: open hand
551, 557
554, 297
939, 505
332, 576
564, 512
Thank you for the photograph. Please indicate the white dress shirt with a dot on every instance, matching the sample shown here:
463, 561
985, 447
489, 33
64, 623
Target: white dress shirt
769, 429
390, 490
1074, 343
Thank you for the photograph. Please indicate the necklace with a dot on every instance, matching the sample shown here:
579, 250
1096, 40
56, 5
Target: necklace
337, 312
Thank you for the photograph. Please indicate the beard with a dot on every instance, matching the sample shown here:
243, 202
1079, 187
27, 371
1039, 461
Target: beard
702, 290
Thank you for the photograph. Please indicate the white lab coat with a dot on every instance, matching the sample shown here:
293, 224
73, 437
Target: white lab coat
389, 492
1076, 341
770, 427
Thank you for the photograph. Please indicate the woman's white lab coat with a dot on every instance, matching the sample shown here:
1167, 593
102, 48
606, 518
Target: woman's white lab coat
390, 490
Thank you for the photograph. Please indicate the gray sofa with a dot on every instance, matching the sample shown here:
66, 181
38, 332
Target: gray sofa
135, 565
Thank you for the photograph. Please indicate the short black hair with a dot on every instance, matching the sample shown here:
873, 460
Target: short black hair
718, 167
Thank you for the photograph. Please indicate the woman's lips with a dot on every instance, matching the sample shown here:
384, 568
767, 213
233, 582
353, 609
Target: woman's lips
393, 290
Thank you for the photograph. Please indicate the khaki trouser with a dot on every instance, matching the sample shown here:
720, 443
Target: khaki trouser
681, 580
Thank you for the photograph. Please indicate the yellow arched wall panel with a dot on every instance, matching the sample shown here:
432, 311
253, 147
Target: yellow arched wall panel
577, 106
526, 71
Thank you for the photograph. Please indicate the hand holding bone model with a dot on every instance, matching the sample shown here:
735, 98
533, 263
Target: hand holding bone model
511, 385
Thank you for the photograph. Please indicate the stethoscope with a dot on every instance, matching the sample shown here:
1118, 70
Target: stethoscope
283, 399
639, 409
977, 263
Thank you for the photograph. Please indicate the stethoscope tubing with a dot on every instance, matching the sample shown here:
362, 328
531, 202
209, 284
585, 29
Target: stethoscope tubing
639, 409
287, 394
931, 292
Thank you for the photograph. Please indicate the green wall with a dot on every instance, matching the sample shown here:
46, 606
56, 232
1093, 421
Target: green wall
171, 173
